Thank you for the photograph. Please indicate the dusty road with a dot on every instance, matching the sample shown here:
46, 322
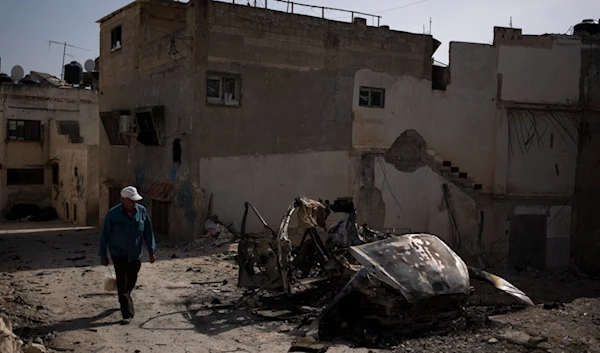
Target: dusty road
51, 288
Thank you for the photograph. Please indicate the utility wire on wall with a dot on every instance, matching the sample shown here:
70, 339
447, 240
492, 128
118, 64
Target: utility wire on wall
578, 186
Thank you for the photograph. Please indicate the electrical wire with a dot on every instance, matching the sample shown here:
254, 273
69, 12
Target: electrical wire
386, 182
401, 7
578, 186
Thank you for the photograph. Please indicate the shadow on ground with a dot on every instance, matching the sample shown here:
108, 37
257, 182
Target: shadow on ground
37, 249
85, 323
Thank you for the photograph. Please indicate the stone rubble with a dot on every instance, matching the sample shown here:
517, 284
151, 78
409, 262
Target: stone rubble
9, 342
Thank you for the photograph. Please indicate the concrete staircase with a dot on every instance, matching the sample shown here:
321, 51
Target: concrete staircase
452, 173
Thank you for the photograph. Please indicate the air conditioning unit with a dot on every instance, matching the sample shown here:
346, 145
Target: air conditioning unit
127, 124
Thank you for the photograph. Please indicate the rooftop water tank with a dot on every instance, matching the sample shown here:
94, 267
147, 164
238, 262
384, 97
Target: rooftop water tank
586, 27
73, 73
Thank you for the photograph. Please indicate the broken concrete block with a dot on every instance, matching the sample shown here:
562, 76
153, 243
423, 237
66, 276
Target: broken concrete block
516, 337
497, 321
544, 346
35, 348
9, 342
535, 340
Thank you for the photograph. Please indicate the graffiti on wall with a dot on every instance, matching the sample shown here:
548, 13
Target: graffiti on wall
169, 184
184, 199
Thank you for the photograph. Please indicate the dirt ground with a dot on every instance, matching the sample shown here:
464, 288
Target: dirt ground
51, 287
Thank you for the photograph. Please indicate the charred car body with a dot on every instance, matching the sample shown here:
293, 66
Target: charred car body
410, 281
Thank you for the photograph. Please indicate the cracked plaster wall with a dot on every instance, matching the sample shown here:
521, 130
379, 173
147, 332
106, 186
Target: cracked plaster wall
459, 123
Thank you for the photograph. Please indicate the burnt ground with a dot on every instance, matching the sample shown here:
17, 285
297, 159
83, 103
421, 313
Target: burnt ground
51, 286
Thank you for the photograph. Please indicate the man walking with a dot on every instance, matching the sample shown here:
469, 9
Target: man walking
125, 227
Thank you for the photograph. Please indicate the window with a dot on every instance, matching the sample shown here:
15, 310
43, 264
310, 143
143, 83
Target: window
115, 38
110, 121
160, 217
223, 90
371, 97
55, 173
25, 176
24, 130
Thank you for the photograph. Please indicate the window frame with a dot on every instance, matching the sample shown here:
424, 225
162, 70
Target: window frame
116, 31
369, 103
219, 80
24, 130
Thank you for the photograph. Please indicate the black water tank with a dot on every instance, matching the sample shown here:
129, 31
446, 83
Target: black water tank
4, 78
28, 80
586, 27
73, 73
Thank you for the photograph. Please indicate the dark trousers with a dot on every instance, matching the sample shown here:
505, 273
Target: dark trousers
127, 274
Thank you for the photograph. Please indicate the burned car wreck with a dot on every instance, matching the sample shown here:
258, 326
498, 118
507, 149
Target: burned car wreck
410, 282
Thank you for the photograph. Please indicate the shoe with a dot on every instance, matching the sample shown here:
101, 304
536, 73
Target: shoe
126, 321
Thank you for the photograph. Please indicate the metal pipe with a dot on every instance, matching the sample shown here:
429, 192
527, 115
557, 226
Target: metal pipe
327, 8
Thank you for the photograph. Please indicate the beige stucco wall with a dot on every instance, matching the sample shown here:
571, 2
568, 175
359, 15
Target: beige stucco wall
542, 152
541, 75
48, 105
414, 202
410, 201
77, 187
272, 182
459, 123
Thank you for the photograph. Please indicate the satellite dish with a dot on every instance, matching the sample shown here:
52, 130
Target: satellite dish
89, 65
17, 72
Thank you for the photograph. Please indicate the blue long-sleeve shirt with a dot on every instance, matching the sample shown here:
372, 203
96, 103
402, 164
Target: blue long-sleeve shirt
123, 235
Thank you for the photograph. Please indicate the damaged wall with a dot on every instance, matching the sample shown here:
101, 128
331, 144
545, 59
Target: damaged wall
542, 151
293, 78
78, 107
75, 191
150, 69
441, 117
415, 201
296, 74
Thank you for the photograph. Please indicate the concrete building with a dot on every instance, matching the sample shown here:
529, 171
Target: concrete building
248, 104
237, 91
49, 156
505, 122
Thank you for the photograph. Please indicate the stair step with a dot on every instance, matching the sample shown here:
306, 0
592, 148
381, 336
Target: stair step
447, 164
454, 170
462, 175
478, 187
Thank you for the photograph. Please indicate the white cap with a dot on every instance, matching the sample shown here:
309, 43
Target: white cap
130, 193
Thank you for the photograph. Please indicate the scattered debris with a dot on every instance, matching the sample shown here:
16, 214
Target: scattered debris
308, 345
406, 283
35, 348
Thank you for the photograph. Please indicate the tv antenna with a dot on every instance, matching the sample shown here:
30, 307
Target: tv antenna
65, 45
